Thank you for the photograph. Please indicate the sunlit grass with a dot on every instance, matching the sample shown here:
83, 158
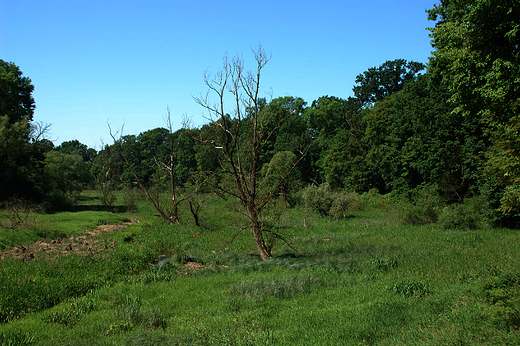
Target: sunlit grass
362, 279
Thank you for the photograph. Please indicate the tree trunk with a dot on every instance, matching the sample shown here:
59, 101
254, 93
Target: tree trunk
257, 232
195, 212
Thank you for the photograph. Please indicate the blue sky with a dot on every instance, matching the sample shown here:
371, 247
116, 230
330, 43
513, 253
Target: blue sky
124, 62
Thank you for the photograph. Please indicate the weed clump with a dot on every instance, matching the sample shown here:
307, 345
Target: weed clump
131, 313
411, 288
19, 339
73, 311
281, 288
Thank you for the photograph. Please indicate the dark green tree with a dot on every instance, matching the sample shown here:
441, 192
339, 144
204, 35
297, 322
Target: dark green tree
75, 147
379, 82
67, 173
331, 121
477, 53
16, 100
21, 162
413, 139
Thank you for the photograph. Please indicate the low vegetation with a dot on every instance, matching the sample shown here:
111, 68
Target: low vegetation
367, 277
378, 219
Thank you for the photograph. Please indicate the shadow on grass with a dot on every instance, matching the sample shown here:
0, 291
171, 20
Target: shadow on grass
98, 207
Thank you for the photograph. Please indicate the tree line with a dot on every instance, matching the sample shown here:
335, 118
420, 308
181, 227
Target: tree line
451, 124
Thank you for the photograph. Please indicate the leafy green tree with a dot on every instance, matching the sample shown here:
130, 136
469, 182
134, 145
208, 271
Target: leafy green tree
16, 101
292, 135
75, 147
379, 82
280, 175
477, 54
412, 139
67, 173
21, 161
185, 161
326, 118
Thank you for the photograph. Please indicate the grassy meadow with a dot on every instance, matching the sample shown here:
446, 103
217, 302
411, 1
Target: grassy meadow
363, 279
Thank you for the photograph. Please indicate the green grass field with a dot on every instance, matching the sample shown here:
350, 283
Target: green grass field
365, 279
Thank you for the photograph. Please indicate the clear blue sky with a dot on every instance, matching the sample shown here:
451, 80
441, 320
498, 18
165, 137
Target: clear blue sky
123, 62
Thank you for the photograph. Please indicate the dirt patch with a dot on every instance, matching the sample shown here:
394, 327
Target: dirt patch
87, 243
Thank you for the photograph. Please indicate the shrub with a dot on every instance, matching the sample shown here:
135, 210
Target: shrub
325, 201
344, 201
502, 295
470, 215
317, 198
422, 207
130, 199
57, 200
373, 198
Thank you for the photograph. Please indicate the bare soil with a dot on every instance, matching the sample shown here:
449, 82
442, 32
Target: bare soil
88, 243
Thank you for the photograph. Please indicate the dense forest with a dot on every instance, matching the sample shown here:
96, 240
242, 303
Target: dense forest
450, 127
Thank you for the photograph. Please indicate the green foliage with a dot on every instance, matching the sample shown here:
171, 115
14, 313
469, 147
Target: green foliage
21, 172
380, 82
75, 147
104, 170
317, 198
476, 55
325, 201
130, 197
57, 200
65, 173
345, 202
343, 281
472, 214
502, 296
422, 207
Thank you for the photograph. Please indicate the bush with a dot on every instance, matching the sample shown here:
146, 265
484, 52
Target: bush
469, 215
502, 300
422, 207
57, 200
317, 198
130, 199
344, 201
323, 200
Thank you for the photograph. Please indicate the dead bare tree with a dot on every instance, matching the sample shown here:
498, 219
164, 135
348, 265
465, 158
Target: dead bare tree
40, 130
242, 136
170, 215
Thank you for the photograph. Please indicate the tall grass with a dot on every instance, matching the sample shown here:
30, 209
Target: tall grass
365, 278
